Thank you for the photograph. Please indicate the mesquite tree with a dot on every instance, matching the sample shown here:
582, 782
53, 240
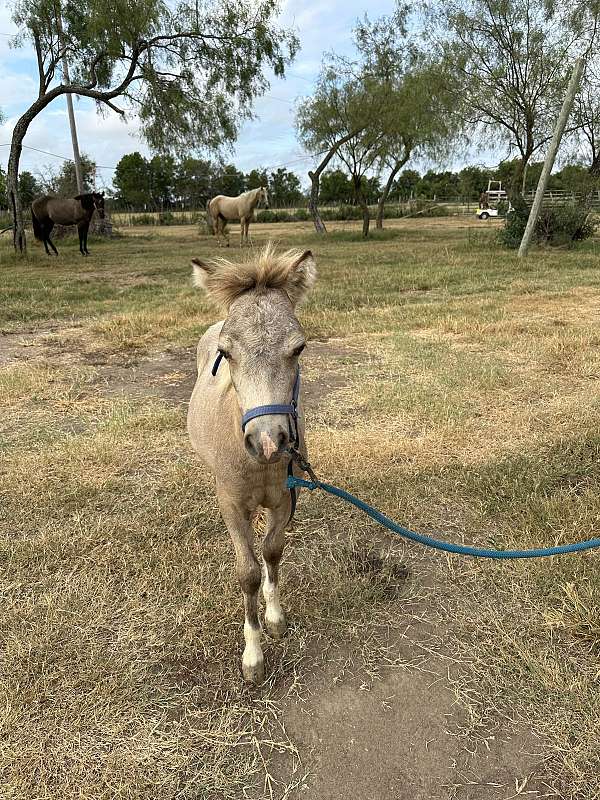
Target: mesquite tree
190, 71
507, 63
330, 119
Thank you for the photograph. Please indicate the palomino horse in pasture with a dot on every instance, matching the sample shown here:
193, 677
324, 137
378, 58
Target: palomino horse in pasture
221, 209
47, 211
241, 421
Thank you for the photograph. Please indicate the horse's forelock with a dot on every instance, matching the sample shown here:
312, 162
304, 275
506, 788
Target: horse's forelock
226, 282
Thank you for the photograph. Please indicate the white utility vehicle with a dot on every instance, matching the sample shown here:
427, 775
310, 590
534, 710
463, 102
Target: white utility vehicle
493, 194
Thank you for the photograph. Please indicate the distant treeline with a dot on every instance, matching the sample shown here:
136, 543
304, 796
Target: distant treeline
162, 183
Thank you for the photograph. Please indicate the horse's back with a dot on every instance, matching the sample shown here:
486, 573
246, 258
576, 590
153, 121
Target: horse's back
39, 206
61, 210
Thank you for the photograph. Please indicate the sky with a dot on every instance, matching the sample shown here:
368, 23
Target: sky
267, 141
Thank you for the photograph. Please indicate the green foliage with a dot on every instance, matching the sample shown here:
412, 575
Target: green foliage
132, 179
3, 192
257, 178
192, 70
64, 182
29, 188
507, 63
556, 226
284, 188
229, 181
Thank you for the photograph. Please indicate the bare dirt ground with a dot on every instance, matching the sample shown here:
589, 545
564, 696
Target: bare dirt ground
397, 738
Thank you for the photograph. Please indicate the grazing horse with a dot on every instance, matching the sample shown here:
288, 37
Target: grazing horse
47, 211
221, 209
260, 342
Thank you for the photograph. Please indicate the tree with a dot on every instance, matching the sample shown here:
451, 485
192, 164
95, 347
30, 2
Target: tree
405, 185
132, 180
190, 70
414, 104
257, 178
586, 113
29, 188
327, 121
507, 63
230, 181
340, 120
193, 181
472, 181
162, 180
3, 194
335, 187
64, 182
285, 188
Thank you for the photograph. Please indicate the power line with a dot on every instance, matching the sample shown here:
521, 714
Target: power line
207, 175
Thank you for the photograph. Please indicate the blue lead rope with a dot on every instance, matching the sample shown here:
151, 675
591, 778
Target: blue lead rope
428, 541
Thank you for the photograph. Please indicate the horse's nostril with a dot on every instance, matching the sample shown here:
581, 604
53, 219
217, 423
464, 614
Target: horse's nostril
250, 445
282, 440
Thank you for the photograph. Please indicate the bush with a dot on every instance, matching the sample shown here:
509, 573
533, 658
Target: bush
167, 218
561, 225
268, 215
302, 215
143, 219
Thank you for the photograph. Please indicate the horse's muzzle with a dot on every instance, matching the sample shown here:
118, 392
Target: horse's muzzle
267, 446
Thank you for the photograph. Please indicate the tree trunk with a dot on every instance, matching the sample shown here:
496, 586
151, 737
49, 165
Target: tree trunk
594, 168
313, 203
366, 218
362, 202
19, 241
386, 190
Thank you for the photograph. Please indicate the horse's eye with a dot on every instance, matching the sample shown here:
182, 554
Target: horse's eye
298, 350
224, 353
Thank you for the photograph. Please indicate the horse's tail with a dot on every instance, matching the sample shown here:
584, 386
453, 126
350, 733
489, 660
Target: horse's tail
38, 229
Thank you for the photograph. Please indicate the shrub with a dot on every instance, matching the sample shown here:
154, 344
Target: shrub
302, 215
269, 215
167, 218
561, 225
143, 219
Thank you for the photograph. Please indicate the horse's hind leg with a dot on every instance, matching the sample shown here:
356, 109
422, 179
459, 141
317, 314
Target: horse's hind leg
248, 571
48, 231
242, 230
272, 551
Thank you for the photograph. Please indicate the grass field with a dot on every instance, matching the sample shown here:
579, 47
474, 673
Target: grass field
449, 384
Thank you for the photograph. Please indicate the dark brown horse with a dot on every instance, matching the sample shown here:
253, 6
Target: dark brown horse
47, 211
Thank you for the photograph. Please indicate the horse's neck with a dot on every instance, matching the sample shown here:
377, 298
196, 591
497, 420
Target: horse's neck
254, 197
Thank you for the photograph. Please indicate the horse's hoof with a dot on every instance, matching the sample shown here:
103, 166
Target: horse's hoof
276, 627
254, 673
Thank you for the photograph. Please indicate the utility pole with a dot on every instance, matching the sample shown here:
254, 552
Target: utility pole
551, 155
70, 111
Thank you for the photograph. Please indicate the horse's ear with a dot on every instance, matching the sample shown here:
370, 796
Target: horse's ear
201, 273
301, 276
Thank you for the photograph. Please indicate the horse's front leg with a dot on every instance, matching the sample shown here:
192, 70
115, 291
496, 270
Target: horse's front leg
272, 551
239, 525
80, 231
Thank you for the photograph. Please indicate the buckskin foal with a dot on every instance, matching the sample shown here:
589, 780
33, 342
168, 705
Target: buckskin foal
260, 342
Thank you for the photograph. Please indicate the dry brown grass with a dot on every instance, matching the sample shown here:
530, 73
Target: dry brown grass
462, 395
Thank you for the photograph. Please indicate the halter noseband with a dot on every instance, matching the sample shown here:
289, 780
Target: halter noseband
291, 409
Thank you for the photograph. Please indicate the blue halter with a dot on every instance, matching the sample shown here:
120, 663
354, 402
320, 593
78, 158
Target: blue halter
291, 409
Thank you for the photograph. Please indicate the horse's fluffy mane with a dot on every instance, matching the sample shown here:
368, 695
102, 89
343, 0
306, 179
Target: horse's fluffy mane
294, 271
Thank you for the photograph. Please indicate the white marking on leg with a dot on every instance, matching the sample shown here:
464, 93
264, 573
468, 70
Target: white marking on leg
274, 616
252, 659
